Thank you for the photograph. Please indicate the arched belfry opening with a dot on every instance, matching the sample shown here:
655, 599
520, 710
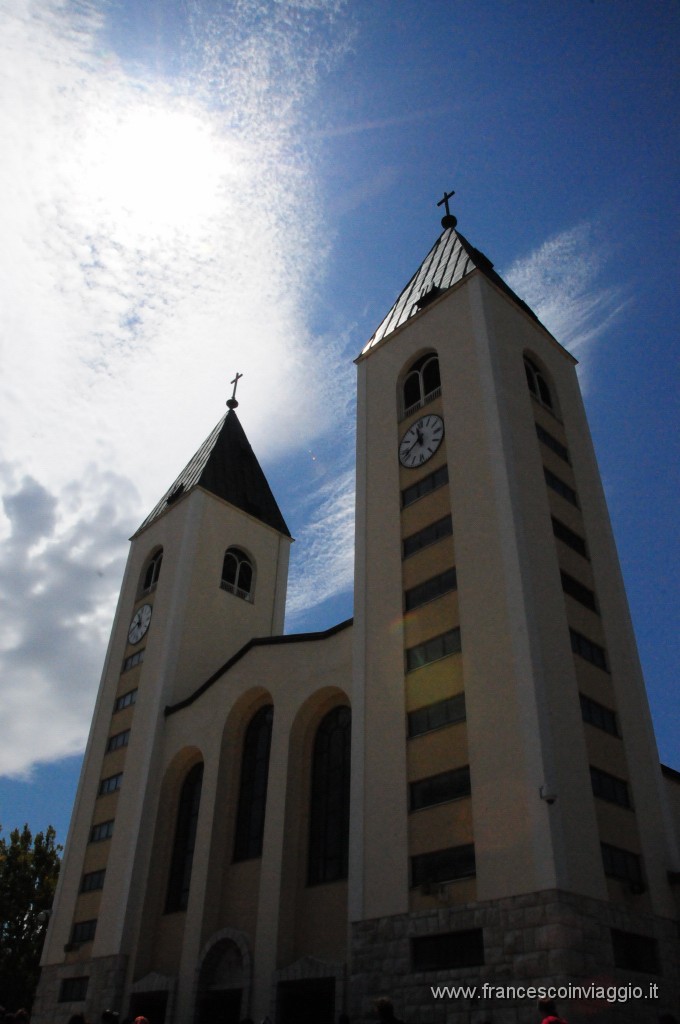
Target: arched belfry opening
420, 384
540, 385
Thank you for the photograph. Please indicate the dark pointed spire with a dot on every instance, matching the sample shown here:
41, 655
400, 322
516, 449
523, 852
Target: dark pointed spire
226, 465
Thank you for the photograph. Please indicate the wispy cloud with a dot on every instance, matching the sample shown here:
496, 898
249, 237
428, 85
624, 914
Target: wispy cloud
376, 124
325, 565
322, 501
562, 282
159, 234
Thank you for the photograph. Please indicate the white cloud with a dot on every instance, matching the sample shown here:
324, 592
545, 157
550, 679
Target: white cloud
159, 234
61, 562
561, 281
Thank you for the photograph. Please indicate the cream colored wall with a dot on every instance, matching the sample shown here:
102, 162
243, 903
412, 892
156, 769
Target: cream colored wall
266, 900
208, 632
194, 627
88, 809
626, 677
448, 328
379, 866
160, 935
524, 727
194, 623
433, 682
562, 729
501, 664
429, 561
313, 917
448, 824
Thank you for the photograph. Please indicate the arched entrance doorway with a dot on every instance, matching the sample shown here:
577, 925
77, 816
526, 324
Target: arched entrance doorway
220, 985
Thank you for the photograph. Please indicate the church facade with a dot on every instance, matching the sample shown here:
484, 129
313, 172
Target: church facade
460, 786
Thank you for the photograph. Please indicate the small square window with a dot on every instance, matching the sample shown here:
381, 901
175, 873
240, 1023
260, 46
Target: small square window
73, 990
447, 951
102, 831
111, 784
83, 931
93, 881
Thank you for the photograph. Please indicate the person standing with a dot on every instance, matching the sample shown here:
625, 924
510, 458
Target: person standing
547, 1010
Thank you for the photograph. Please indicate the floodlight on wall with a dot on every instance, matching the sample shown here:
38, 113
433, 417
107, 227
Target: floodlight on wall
547, 793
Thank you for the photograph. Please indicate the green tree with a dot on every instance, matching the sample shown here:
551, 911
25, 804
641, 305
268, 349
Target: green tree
29, 868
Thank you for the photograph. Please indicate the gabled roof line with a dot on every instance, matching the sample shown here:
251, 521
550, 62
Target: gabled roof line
450, 259
257, 641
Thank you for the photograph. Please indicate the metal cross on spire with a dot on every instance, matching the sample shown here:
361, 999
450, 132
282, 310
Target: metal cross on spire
231, 402
448, 220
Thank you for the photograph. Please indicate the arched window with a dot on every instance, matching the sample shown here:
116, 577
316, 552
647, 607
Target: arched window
329, 804
152, 571
237, 574
422, 383
538, 386
185, 841
252, 799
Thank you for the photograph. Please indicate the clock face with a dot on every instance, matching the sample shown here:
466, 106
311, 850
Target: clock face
140, 624
421, 441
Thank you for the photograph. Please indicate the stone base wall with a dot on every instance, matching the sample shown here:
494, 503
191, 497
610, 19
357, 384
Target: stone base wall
547, 938
104, 990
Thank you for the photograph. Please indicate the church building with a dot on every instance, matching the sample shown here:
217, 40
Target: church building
458, 786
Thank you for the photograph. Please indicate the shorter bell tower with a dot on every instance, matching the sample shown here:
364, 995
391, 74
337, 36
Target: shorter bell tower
207, 572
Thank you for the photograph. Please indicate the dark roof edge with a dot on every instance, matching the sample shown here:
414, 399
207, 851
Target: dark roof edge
670, 773
483, 263
258, 641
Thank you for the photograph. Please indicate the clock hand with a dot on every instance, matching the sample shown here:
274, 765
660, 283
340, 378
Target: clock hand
411, 447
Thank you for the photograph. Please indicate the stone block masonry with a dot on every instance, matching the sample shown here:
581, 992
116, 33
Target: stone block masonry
549, 938
106, 979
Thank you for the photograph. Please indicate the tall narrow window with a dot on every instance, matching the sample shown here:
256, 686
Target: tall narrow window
185, 841
237, 574
152, 572
421, 384
329, 806
538, 385
252, 799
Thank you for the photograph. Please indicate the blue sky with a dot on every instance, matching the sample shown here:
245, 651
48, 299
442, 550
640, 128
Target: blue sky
194, 188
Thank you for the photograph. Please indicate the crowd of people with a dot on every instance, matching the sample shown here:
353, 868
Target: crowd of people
20, 1017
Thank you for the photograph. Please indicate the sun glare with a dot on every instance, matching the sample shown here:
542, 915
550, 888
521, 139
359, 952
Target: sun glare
157, 172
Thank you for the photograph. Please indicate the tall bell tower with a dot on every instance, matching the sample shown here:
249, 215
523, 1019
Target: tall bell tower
207, 571
499, 709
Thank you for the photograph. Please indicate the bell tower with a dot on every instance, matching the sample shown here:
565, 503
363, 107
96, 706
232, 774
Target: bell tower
207, 572
500, 714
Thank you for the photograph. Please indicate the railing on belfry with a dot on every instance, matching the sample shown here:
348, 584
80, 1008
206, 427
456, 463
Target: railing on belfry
429, 397
233, 589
